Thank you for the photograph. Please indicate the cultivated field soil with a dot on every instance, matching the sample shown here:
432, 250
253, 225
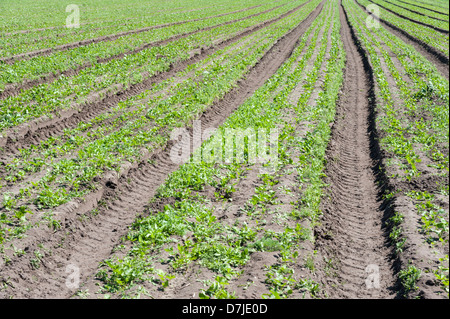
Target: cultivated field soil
290, 149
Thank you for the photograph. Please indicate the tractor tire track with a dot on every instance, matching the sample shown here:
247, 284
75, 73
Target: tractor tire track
88, 244
352, 232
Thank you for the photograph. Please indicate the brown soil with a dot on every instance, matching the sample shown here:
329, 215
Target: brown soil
89, 243
352, 236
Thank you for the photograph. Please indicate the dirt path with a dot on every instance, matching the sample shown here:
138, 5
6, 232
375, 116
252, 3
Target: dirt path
86, 244
352, 237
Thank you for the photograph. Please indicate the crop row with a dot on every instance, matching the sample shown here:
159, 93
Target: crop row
437, 6
422, 10
429, 36
193, 216
441, 24
68, 91
74, 177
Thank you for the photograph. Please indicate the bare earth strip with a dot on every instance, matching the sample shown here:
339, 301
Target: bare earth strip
89, 243
352, 235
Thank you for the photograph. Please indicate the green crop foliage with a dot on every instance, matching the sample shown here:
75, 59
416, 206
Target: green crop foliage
206, 216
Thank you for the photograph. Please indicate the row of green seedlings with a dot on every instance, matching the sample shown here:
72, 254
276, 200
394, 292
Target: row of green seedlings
310, 163
440, 5
396, 140
22, 43
430, 95
75, 177
429, 36
214, 244
411, 274
61, 61
417, 17
46, 99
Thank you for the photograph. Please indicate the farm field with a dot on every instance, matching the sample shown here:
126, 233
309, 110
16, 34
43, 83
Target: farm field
188, 149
